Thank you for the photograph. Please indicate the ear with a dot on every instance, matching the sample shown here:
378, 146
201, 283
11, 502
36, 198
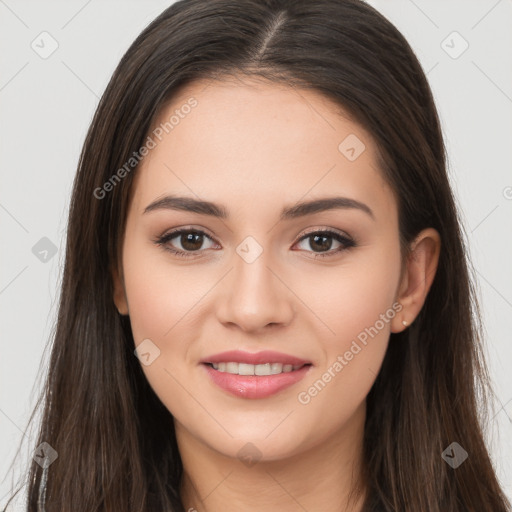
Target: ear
120, 299
421, 267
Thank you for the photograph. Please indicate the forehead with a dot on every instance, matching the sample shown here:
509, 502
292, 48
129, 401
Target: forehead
256, 142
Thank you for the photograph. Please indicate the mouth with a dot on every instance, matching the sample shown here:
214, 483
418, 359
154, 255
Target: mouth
254, 381
254, 375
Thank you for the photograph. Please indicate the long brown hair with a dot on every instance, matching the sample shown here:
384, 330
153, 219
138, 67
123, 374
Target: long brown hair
115, 440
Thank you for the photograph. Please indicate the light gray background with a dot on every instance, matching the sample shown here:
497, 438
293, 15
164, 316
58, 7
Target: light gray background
47, 105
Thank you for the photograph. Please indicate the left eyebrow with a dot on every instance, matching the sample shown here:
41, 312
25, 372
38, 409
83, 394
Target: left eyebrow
324, 204
189, 204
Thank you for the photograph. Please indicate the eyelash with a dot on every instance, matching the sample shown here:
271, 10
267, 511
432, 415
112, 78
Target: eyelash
346, 242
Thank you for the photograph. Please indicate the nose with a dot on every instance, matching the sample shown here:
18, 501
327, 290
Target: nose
254, 296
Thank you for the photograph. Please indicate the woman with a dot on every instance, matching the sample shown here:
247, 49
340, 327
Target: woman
214, 350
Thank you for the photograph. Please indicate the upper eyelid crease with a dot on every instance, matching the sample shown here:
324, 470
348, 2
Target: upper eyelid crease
333, 232
189, 204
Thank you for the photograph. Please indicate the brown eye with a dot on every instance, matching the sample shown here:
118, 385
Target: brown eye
322, 241
191, 241
186, 241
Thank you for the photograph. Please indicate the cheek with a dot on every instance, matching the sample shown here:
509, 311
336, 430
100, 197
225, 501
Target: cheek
161, 308
160, 298
162, 304
358, 312
352, 297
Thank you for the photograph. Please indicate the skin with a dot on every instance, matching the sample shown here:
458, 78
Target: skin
256, 147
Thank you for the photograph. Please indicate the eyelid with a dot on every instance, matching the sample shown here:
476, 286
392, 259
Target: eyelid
350, 241
205, 231
168, 235
323, 229
345, 240
175, 231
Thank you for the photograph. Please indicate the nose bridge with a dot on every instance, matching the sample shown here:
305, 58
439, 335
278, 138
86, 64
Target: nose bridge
256, 297
251, 272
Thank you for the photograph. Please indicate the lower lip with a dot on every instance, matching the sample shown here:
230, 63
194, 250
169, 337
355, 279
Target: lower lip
254, 386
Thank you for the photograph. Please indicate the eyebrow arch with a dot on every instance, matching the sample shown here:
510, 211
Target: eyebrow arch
189, 204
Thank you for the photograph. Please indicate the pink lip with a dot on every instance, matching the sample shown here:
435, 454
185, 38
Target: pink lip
267, 356
253, 386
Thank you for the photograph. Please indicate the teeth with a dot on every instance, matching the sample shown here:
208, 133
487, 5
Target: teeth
255, 369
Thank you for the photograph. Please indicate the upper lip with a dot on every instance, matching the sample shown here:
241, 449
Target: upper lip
266, 356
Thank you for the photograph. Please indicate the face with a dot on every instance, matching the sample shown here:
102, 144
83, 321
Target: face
317, 284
